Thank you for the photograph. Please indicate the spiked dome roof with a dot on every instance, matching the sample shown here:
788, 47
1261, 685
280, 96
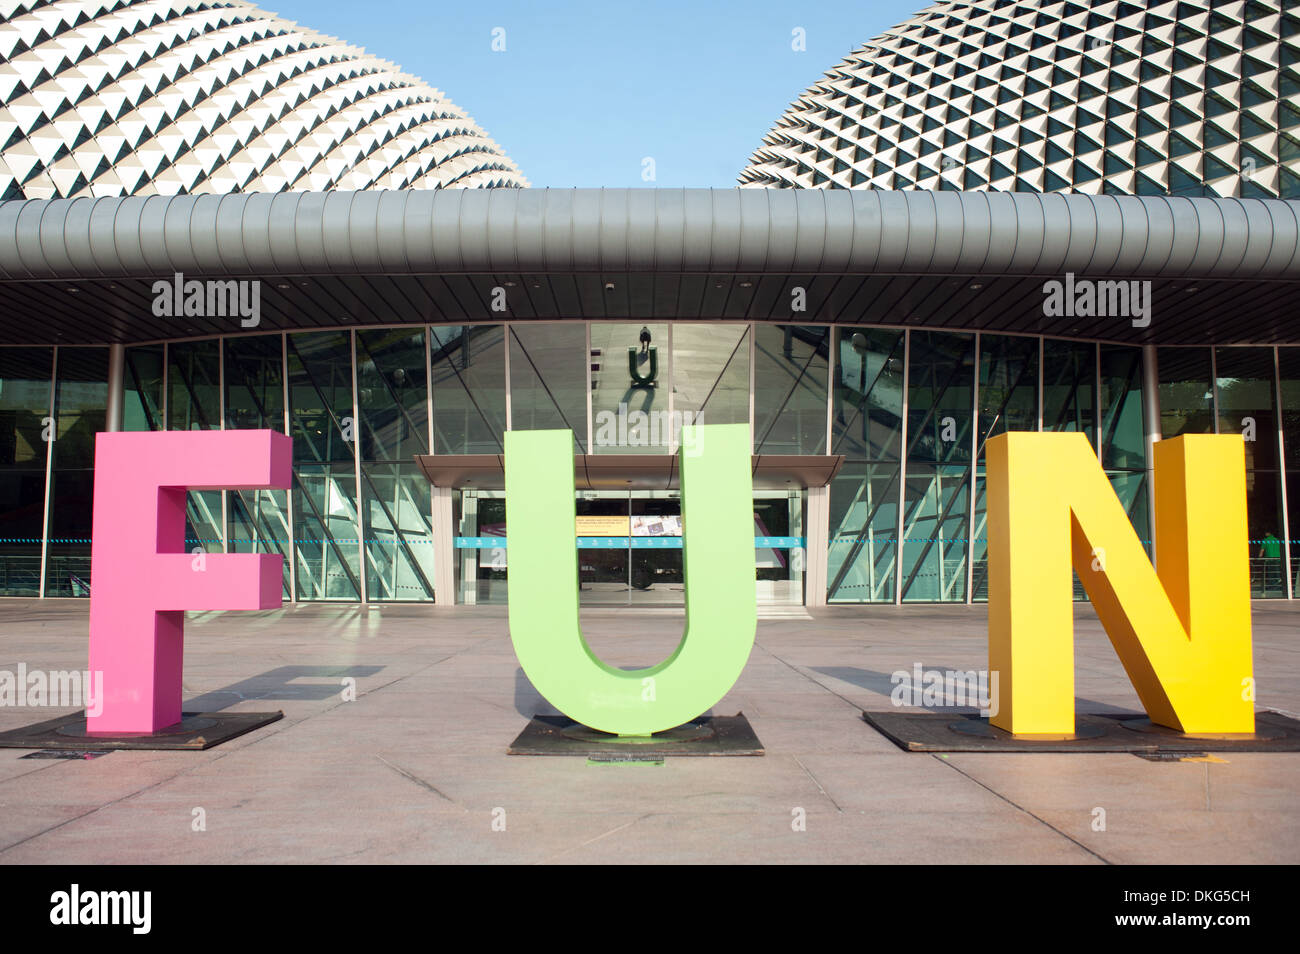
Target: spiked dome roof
1183, 98
141, 97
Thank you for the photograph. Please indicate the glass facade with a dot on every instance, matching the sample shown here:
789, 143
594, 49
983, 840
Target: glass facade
910, 411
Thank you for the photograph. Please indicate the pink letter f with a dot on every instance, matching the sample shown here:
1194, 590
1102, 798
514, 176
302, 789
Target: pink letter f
142, 580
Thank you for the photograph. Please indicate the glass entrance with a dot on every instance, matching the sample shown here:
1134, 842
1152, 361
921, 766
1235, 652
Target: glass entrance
629, 547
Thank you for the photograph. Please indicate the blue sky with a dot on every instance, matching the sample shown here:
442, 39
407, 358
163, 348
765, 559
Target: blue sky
584, 91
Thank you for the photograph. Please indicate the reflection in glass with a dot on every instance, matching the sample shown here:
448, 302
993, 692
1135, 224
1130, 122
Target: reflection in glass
1289, 385
325, 522
1069, 387
24, 429
548, 384
398, 531
469, 391
790, 370
1264, 525
80, 402
142, 385
1008, 391
257, 521
1123, 434
711, 373
632, 371
934, 533
391, 394
325, 491
397, 499
1247, 398
1288, 362
941, 378
868, 410
863, 533
254, 374
193, 374
1186, 395
1247, 401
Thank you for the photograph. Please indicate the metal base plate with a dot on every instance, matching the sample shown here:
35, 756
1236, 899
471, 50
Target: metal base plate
714, 735
915, 731
195, 732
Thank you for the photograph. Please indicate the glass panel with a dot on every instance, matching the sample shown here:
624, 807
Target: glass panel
257, 521
325, 492
655, 533
143, 389
481, 570
1123, 436
934, 534
398, 531
194, 404
1288, 363
391, 394
790, 370
80, 402
203, 521
1008, 386
1293, 538
631, 370
711, 373
779, 568
193, 374
1130, 487
469, 388
24, 432
1264, 517
1247, 402
254, 383
1069, 387
939, 397
980, 542
394, 427
1186, 398
868, 411
548, 383
325, 521
863, 533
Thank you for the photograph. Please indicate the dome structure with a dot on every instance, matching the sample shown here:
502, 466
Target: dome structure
140, 97
1183, 98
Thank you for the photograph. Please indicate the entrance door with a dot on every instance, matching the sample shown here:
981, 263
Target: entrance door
629, 547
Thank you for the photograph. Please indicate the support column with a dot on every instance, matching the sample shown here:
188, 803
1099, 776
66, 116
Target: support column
116, 392
1151, 422
817, 536
444, 551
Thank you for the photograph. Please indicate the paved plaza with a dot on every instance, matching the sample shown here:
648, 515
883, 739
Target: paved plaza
415, 770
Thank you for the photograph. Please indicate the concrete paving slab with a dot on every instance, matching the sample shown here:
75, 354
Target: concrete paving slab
414, 769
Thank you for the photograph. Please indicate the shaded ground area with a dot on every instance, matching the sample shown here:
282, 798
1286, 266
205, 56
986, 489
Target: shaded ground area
415, 769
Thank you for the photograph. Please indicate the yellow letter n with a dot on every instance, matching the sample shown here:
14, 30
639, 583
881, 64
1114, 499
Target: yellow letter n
1182, 633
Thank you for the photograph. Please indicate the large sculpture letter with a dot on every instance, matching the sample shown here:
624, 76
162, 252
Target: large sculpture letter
142, 580
1183, 634
718, 566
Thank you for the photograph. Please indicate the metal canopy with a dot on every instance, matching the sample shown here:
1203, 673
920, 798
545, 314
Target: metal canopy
82, 270
628, 471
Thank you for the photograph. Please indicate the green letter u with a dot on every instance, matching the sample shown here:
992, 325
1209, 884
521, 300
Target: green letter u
717, 566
